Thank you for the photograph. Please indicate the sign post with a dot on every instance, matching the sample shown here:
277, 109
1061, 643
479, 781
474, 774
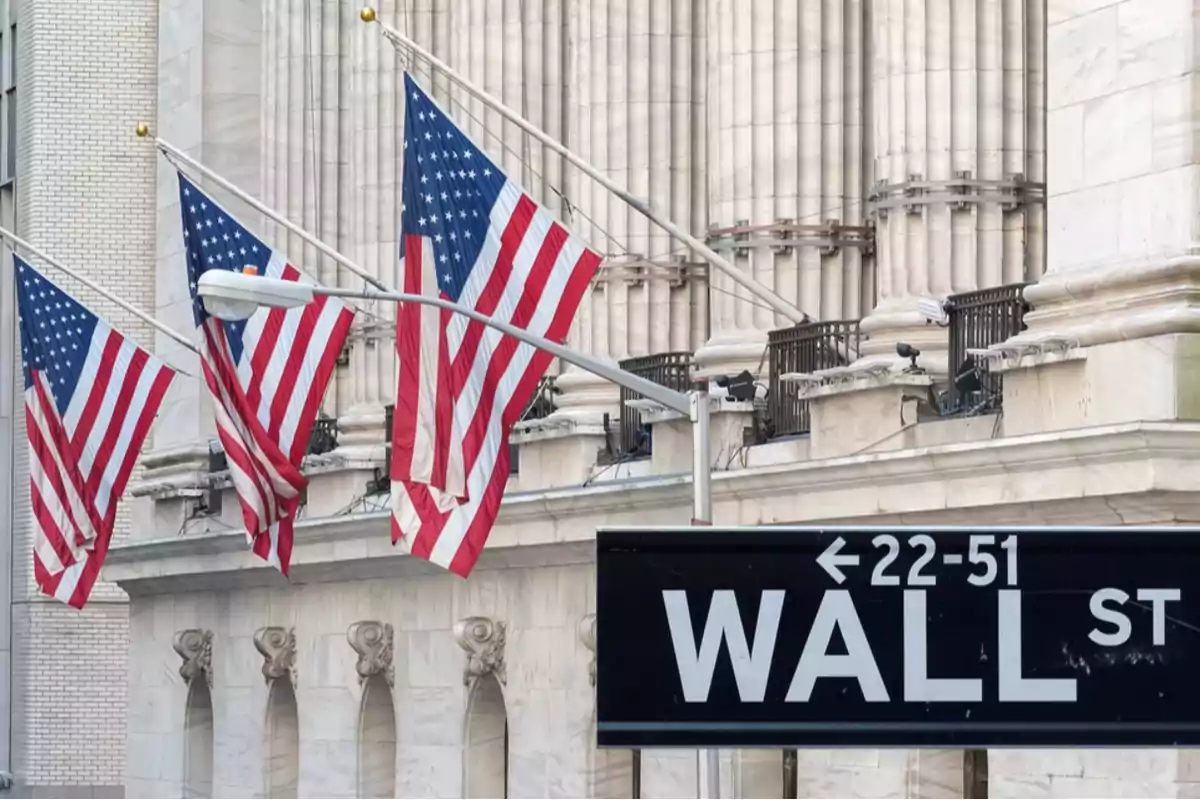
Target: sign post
898, 637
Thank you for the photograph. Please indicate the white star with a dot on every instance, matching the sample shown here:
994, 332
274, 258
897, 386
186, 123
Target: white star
438, 175
421, 222
443, 258
445, 196
428, 136
487, 171
437, 238
425, 178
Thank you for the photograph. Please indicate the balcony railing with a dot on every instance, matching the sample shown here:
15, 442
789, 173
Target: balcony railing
323, 436
803, 348
540, 407
978, 320
672, 370
382, 482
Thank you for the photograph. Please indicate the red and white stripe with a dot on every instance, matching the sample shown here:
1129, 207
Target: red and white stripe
532, 274
80, 463
266, 404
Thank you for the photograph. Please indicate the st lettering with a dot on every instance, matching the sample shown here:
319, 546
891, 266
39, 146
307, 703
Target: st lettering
753, 656
1116, 626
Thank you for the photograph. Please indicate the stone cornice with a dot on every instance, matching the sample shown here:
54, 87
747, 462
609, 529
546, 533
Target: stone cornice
558, 525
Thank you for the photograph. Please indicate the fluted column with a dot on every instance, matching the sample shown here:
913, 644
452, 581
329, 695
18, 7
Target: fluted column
302, 138
785, 127
636, 97
958, 113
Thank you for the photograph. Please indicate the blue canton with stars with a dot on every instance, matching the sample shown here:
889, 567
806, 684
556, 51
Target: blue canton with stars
56, 333
450, 187
214, 240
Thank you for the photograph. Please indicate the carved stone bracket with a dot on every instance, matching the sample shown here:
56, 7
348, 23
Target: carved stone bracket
483, 639
587, 635
372, 641
194, 646
278, 648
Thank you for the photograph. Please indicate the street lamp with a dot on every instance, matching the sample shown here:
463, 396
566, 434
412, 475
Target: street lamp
235, 296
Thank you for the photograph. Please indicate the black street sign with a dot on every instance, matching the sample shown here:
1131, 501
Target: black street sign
873, 636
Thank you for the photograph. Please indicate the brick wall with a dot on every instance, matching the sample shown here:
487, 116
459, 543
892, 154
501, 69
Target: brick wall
86, 76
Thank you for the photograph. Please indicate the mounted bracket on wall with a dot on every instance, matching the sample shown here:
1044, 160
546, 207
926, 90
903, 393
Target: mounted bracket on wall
373, 641
194, 646
278, 648
483, 639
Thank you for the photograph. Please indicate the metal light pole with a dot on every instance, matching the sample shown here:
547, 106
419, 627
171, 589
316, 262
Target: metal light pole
233, 295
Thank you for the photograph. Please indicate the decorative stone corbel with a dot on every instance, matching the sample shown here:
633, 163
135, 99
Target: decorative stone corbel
194, 646
278, 648
372, 641
483, 639
587, 635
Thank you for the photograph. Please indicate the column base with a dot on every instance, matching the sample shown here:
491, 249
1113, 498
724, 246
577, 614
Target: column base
583, 399
897, 320
732, 352
174, 482
1132, 300
361, 435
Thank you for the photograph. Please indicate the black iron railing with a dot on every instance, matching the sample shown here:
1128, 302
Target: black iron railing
672, 370
323, 436
804, 348
382, 482
540, 407
978, 320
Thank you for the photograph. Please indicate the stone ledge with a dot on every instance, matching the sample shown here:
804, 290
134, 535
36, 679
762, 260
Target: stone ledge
1127, 473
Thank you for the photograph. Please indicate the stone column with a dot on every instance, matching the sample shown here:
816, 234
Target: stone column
958, 115
1122, 255
785, 126
371, 195
306, 59
208, 91
647, 135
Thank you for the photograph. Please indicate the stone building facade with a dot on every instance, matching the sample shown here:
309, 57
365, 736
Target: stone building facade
856, 155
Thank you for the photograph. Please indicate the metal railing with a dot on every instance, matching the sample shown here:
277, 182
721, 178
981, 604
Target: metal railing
540, 407
672, 370
382, 482
803, 348
978, 320
323, 437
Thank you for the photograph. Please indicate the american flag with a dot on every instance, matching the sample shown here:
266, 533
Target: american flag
472, 236
266, 375
90, 397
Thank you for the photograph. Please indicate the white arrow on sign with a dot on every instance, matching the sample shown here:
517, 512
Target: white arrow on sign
830, 560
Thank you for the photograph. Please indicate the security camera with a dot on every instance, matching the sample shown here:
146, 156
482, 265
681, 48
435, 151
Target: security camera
906, 350
740, 387
934, 310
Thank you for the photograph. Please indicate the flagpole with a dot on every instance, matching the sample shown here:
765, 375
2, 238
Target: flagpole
178, 154
763, 292
132, 309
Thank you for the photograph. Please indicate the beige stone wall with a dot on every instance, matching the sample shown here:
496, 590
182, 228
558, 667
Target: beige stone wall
546, 690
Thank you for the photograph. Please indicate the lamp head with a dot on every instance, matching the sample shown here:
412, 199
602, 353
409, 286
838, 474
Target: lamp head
236, 296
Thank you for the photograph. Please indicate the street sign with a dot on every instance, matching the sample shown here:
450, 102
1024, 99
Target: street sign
874, 636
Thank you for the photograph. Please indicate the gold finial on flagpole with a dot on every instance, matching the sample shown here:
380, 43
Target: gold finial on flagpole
367, 14
142, 130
